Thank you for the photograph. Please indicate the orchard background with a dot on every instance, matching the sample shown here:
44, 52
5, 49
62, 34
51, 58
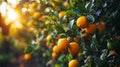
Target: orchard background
59, 33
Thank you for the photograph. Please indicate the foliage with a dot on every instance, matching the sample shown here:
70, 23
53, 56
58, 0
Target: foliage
50, 20
96, 50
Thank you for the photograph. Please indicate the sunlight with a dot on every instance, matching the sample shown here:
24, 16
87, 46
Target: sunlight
13, 2
17, 25
3, 8
12, 15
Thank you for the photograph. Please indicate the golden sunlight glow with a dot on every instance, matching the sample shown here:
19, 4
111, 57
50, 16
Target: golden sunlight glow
3, 8
12, 15
13, 2
17, 25
24, 10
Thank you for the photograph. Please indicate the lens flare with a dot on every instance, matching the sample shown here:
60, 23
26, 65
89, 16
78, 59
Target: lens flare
17, 24
3, 8
13, 2
12, 15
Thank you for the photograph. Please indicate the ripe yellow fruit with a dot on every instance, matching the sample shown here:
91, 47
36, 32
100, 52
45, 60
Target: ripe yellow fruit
56, 49
82, 22
54, 55
54, 5
37, 15
26, 5
47, 22
101, 27
49, 37
73, 48
31, 11
66, 4
61, 14
63, 43
73, 63
91, 28
34, 4
27, 57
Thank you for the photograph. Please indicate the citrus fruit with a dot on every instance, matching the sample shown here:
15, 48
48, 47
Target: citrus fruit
61, 14
56, 49
63, 43
73, 63
101, 27
27, 57
73, 48
66, 4
91, 28
54, 55
82, 22
37, 14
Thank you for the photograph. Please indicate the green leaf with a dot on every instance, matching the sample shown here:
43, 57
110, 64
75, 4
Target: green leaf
89, 5
70, 13
72, 2
104, 54
80, 9
110, 44
71, 24
59, 28
62, 35
90, 18
57, 65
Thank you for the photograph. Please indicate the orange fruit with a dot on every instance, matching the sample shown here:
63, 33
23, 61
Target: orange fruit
45, 32
73, 48
37, 14
57, 0
31, 11
54, 5
63, 43
76, 39
61, 14
50, 44
56, 49
82, 22
66, 4
73, 63
79, 54
47, 22
91, 28
101, 27
112, 52
54, 55
31, 29
34, 22
40, 5
26, 5
34, 4
27, 56
49, 37
69, 39
43, 18
84, 35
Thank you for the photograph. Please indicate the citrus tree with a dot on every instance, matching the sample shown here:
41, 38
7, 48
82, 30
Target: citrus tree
74, 33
